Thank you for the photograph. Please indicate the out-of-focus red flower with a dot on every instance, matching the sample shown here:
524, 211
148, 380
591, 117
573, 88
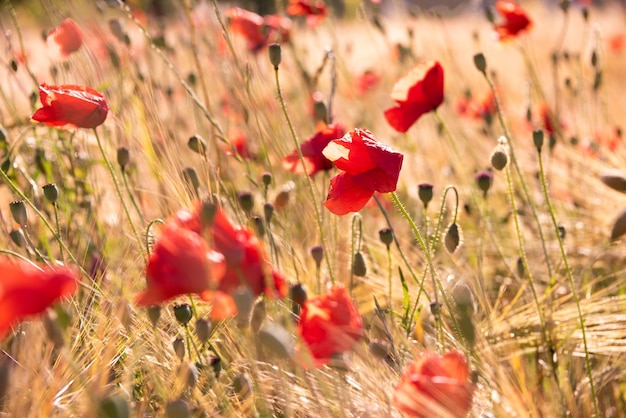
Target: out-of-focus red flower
257, 30
246, 261
71, 106
330, 324
27, 290
516, 20
617, 42
434, 385
64, 39
314, 10
238, 140
480, 108
546, 119
181, 263
366, 81
418, 92
314, 160
368, 166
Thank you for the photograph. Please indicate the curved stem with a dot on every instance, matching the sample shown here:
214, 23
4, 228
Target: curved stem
309, 181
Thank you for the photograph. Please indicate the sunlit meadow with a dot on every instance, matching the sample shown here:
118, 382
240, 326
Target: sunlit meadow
380, 210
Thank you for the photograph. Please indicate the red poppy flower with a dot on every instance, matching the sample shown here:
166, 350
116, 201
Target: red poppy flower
27, 290
368, 166
246, 261
257, 30
434, 385
366, 81
239, 141
65, 39
314, 10
314, 160
330, 324
71, 106
181, 263
418, 92
477, 108
516, 20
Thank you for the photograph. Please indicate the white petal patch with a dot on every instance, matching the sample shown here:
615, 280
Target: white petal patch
335, 151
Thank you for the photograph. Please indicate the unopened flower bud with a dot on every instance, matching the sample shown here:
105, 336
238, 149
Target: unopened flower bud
452, 238
317, 252
266, 178
268, 211
259, 312
197, 144
499, 157
246, 202
538, 139
298, 294
203, 330
480, 62
154, 313
484, 179
358, 265
207, 213
123, 157
18, 238
190, 175
179, 348
275, 55
259, 226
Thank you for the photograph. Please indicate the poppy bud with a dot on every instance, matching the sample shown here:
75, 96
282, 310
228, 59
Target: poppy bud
177, 409
386, 236
14, 65
317, 252
114, 406
282, 199
597, 81
452, 238
216, 365
191, 178
243, 301
425, 193
275, 55
207, 213
562, 231
538, 139
297, 294
499, 157
521, 270
484, 179
203, 330
564, 5
480, 62
259, 312
268, 211
266, 178
19, 213
259, 226
435, 308
197, 144
123, 157
489, 15
51, 192
594, 58
358, 265
585, 12
154, 313
246, 202
320, 112
179, 348
183, 313
188, 374
18, 238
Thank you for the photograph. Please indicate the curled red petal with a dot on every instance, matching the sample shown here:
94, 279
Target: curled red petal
345, 196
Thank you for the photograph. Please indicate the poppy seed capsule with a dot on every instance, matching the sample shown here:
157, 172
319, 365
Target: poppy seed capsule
183, 313
298, 294
499, 158
266, 178
452, 238
358, 265
386, 236
19, 213
484, 179
425, 193
275, 55
51, 192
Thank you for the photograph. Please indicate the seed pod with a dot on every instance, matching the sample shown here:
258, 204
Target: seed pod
188, 374
197, 144
246, 201
275, 55
425, 193
19, 213
480, 62
538, 139
317, 253
51, 192
183, 313
266, 178
179, 348
619, 226
452, 239
154, 313
386, 236
203, 330
123, 157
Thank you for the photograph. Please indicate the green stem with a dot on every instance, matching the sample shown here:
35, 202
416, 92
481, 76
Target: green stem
119, 193
130, 195
58, 227
309, 181
431, 266
570, 278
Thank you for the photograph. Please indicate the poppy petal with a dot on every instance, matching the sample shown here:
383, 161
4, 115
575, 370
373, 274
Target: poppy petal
345, 196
